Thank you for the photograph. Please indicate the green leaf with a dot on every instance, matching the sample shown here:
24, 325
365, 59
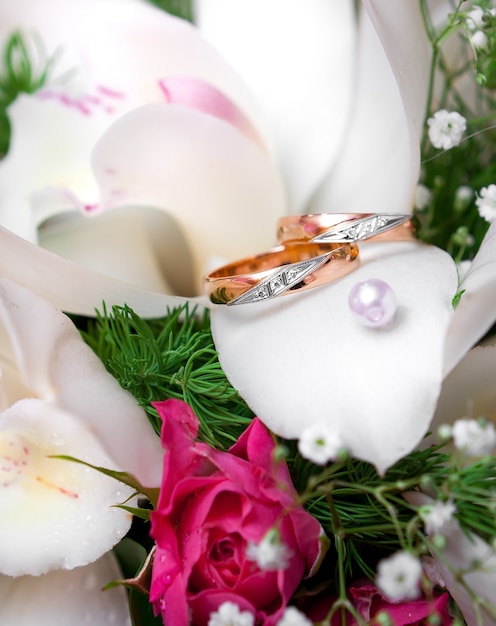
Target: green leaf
170, 357
457, 297
123, 477
26, 68
179, 8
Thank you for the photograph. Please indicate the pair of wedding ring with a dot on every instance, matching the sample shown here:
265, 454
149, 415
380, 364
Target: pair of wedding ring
313, 250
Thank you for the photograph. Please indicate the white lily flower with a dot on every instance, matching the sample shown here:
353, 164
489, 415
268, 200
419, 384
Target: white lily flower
61, 597
56, 398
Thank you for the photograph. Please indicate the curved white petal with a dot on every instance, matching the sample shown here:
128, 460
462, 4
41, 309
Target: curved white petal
203, 96
467, 559
476, 310
59, 367
120, 52
379, 163
122, 45
220, 187
476, 555
62, 597
54, 514
303, 358
53, 277
298, 58
470, 389
136, 246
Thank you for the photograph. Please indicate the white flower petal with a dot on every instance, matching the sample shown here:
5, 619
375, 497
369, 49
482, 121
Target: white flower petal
382, 148
474, 557
476, 310
298, 58
54, 514
49, 155
61, 598
304, 358
223, 189
120, 51
464, 553
57, 366
203, 96
53, 277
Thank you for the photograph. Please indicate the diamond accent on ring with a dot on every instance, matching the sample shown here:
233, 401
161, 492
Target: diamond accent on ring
362, 229
281, 280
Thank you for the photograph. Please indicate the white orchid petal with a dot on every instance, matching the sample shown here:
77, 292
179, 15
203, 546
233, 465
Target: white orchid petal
300, 69
137, 45
462, 553
304, 358
222, 188
54, 513
58, 366
467, 558
128, 42
476, 310
54, 277
63, 597
121, 52
382, 149
47, 168
203, 96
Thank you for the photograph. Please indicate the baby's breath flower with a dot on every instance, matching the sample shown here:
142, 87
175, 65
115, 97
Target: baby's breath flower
319, 443
398, 576
228, 614
463, 197
475, 18
270, 554
437, 516
446, 128
479, 40
474, 437
293, 617
423, 196
462, 237
486, 203
445, 431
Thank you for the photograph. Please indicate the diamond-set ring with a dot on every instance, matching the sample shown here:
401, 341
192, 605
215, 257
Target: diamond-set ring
314, 250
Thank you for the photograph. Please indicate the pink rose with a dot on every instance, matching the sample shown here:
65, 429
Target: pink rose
369, 602
213, 505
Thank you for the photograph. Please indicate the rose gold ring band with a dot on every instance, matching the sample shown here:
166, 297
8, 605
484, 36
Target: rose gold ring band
345, 227
283, 270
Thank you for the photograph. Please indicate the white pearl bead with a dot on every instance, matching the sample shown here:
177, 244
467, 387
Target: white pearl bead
372, 302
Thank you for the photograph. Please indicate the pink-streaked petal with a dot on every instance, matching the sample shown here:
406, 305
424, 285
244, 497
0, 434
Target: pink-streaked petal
202, 96
53, 278
56, 365
122, 48
300, 68
304, 358
476, 310
62, 597
121, 51
221, 188
54, 514
382, 148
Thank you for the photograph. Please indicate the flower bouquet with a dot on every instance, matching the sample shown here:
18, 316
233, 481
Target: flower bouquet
246, 252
